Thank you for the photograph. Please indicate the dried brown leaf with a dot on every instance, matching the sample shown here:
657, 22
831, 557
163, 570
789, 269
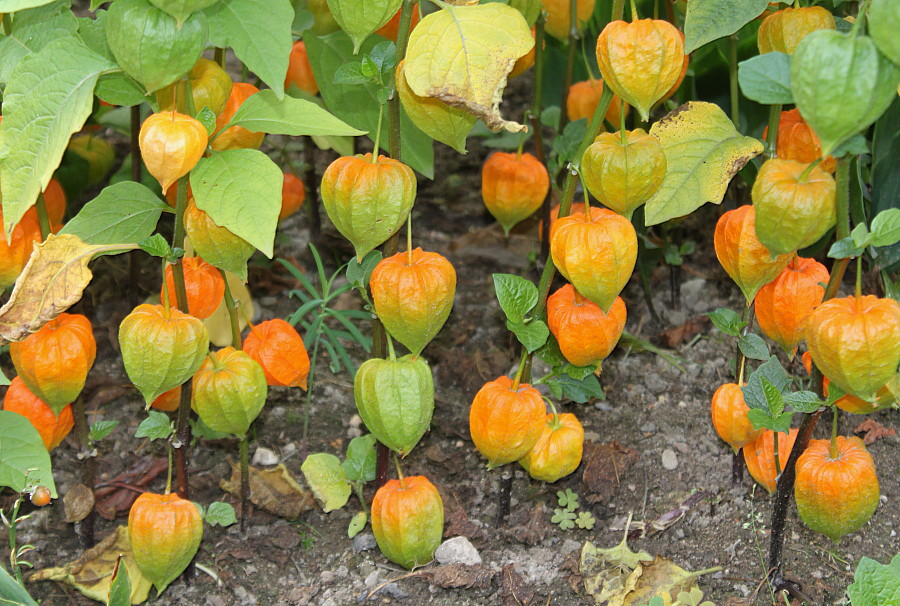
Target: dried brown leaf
604, 466
52, 281
873, 431
115, 496
274, 490
675, 337
514, 590
460, 576
78, 503
535, 528
459, 524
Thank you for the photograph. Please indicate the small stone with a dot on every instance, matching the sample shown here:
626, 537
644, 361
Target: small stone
679, 534
364, 541
264, 457
457, 550
669, 460
372, 580
817, 574
648, 427
681, 447
603, 406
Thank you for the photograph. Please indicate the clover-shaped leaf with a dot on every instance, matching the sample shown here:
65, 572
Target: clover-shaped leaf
585, 520
568, 499
564, 518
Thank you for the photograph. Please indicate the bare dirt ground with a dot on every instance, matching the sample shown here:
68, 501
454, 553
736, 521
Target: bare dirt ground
656, 414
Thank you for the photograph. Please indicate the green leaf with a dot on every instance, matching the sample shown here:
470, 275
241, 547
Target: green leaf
580, 391
119, 89
703, 152
753, 347
240, 189
384, 55
120, 588
264, 113
551, 354
517, 296
532, 335
259, 32
24, 461
568, 499
156, 246
124, 213
220, 514
101, 429
802, 401
3, 379
773, 398
358, 274
727, 321
766, 78
182, 9
157, 426
32, 30
854, 146
845, 249
585, 520
359, 466
350, 73
207, 118
48, 98
357, 104
885, 177
773, 373
326, 478
886, 228
360, 18
12, 592
875, 584
762, 420
11, 6
357, 523
708, 20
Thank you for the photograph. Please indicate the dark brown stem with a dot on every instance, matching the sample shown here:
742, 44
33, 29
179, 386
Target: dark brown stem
504, 496
737, 468
87, 460
245, 484
182, 428
309, 182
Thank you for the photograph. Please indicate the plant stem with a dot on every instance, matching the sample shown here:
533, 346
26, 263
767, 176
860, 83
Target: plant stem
377, 134
379, 347
504, 496
772, 135
805, 174
521, 370
618, 10
733, 80
13, 521
537, 109
232, 307
219, 56
309, 181
859, 269
834, 427
245, 483
87, 460
310, 382
400, 475
43, 219
570, 64
409, 248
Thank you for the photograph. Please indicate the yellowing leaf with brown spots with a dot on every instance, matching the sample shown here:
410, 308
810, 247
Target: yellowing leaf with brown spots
52, 281
703, 152
462, 55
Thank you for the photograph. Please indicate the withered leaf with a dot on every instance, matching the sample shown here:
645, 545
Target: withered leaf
116, 495
78, 503
52, 281
91, 574
604, 466
460, 576
535, 528
459, 524
606, 571
514, 590
873, 431
661, 577
274, 490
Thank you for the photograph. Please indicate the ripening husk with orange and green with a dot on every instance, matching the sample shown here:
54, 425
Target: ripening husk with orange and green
558, 451
216, 245
729, 416
641, 61
783, 30
559, 16
229, 391
408, 520
585, 334
836, 492
506, 420
793, 210
368, 201
596, 251
171, 145
161, 348
513, 187
759, 455
624, 173
413, 294
855, 342
165, 532
395, 399
54, 362
783, 306
742, 255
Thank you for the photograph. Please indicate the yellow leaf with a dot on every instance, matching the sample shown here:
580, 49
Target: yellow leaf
663, 578
462, 55
274, 490
703, 152
606, 572
52, 281
91, 574
433, 117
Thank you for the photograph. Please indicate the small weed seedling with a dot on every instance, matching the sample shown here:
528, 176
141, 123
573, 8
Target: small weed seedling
564, 516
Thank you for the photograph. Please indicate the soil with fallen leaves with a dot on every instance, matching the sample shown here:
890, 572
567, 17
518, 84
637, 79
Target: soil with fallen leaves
651, 456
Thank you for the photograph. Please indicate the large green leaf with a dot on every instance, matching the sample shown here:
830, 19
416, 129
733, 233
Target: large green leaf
703, 153
885, 176
326, 478
875, 584
766, 78
347, 101
241, 190
264, 113
259, 32
11, 593
32, 30
709, 20
182, 9
48, 98
360, 18
124, 213
24, 461
11, 6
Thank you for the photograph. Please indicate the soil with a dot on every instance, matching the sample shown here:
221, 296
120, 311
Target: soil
652, 409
